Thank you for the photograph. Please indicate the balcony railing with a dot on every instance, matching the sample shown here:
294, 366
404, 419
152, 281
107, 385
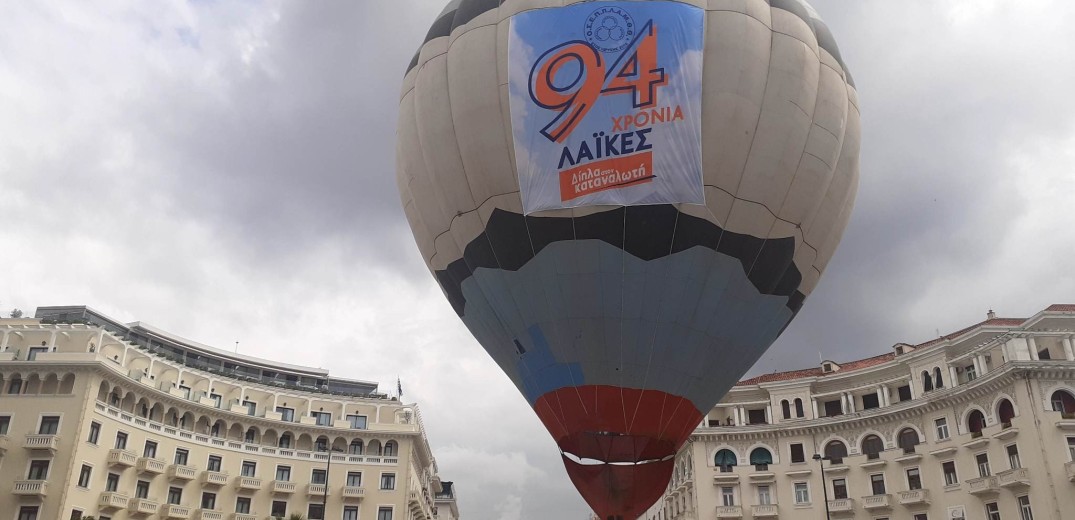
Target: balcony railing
354, 492
42, 442
119, 457
243, 516
248, 483
1070, 468
214, 478
180, 472
150, 465
208, 514
283, 486
842, 505
877, 502
112, 500
4, 441
1014, 478
766, 511
30, 488
175, 511
729, 511
914, 497
142, 506
983, 485
315, 490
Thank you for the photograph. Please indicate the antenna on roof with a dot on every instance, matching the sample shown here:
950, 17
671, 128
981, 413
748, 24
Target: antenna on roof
236, 347
819, 358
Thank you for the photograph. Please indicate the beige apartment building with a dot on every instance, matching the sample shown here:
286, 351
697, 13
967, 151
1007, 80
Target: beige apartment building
117, 421
975, 425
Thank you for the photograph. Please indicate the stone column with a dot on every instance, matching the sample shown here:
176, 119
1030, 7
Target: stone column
888, 395
813, 404
953, 376
1033, 346
769, 414
881, 396
851, 402
843, 403
910, 384
984, 366
1069, 350
3, 342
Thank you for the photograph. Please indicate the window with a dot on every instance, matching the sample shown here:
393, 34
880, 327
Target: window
836, 451
927, 382
1005, 412
5, 423
975, 422
942, 428
318, 477
286, 414
214, 463
279, 508
95, 432
217, 398
112, 482
39, 470
321, 444
384, 513
937, 379
355, 448
877, 483
971, 372
141, 489
50, 424
315, 512
914, 479
765, 497
34, 351
242, 505
921, 516
802, 493
249, 468
285, 441
390, 449
904, 393
175, 495
251, 407
283, 473
983, 464
785, 408
872, 446
992, 511
15, 387
358, 422
727, 495
76, 514
250, 434
1024, 508
350, 513
833, 408
760, 458
797, 453
28, 513
870, 401
150, 450
725, 460
121, 441
323, 418
908, 439
181, 456
950, 477
1013, 456
839, 489
185, 390
799, 408
388, 481
354, 478
1071, 448
208, 500
84, 476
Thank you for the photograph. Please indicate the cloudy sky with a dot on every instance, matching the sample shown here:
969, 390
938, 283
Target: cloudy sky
224, 170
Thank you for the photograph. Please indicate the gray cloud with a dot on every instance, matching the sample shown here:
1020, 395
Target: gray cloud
225, 171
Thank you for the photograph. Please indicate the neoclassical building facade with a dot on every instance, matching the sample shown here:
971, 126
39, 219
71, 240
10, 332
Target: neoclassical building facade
975, 425
117, 421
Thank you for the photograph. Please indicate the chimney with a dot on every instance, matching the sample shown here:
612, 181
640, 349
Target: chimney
991, 315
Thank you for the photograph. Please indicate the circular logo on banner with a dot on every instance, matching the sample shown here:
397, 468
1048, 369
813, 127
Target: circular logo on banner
610, 29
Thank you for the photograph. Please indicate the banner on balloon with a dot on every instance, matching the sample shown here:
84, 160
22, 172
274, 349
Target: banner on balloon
606, 104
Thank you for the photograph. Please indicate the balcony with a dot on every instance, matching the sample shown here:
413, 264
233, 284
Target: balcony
874, 502
142, 506
122, 458
208, 514
977, 441
983, 486
243, 516
4, 441
150, 465
250, 483
1006, 433
1070, 468
175, 511
214, 478
944, 452
914, 497
842, 505
354, 492
909, 457
283, 486
180, 472
766, 511
315, 490
42, 442
30, 488
729, 512
725, 477
1014, 478
837, 469
112, 500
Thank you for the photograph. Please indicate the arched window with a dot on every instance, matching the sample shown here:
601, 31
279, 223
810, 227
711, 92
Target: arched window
785, 407
285, 441
975, 422
836, 451
1063, 402
799, 408
390, 449
356, 447
927, 382
761, 458
907, 439
938, 381
1005, 412
250, 433
321, 444
872, 446
725, 460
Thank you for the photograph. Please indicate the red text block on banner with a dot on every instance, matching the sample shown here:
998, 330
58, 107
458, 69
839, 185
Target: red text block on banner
609, 174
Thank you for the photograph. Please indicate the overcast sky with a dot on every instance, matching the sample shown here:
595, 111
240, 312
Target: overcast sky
224, 170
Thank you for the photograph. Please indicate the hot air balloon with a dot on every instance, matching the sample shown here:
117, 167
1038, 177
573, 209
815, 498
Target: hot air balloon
626, 202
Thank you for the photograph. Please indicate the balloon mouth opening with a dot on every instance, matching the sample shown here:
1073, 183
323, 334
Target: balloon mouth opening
586, 461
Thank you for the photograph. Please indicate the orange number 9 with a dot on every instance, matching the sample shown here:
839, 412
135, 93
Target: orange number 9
573, 97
